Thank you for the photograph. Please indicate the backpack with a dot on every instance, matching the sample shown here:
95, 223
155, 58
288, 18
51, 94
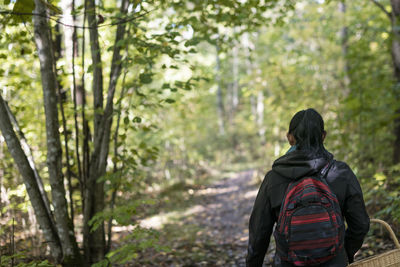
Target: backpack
310, 227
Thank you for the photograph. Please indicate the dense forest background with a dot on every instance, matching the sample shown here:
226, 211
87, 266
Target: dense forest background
115, 111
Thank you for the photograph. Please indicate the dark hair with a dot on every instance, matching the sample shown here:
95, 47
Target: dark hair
307, 127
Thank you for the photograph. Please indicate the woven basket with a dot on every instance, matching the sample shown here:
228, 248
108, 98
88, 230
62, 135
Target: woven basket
387, 259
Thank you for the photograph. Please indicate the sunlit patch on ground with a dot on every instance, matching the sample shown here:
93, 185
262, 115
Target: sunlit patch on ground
159, 220
251, 194
216, 191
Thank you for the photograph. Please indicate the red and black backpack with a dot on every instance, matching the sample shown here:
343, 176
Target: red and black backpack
310, 227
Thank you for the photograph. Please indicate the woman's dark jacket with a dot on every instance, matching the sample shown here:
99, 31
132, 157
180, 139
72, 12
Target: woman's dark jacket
293, 166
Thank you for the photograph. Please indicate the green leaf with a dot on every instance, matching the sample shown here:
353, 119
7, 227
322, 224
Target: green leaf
90, 68
145, 78
126, 120
192, 42
54, 9
137, 119
169, 100
23, 6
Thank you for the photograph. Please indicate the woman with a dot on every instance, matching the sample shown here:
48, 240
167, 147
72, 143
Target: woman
307, 156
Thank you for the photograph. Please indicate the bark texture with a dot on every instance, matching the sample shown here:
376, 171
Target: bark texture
94, 192
97, 85
94, 242
41, 212
54, 152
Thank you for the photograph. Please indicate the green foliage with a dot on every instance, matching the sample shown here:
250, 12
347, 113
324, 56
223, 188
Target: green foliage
138, 240
22, 8
122, 214
282, 56
383, 197
20, 260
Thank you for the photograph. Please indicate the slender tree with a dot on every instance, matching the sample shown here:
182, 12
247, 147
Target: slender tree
35, 195
220, 100
54, 152
94, 199
394, 17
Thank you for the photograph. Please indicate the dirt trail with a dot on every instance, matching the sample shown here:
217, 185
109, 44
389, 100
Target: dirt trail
212, 230
226, 210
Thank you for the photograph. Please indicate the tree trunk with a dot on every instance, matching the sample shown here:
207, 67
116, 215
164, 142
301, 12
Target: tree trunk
94, 193
395, 17
41, 212
344, 36
28, 153
54, 152
97, 86
233, 88
235, 72
68, 32
94, 242
260, 116
220, 101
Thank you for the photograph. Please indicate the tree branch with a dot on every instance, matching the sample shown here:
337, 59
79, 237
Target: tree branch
389, 14
118, 22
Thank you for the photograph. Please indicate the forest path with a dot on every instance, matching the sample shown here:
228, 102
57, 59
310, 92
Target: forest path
225, 208
209, 227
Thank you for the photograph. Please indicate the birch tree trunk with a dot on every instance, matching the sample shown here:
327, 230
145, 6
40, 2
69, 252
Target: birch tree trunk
235, 72
260, 116
42, 215
28, 152
220, 101
54, 152
68, 32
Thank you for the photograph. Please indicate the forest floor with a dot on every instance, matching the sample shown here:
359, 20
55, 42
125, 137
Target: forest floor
211, 229
207, 225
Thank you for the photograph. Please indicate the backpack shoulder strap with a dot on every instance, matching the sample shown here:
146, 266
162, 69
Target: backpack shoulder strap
323, 173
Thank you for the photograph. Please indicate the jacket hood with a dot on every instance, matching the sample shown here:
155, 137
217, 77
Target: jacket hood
299, 163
